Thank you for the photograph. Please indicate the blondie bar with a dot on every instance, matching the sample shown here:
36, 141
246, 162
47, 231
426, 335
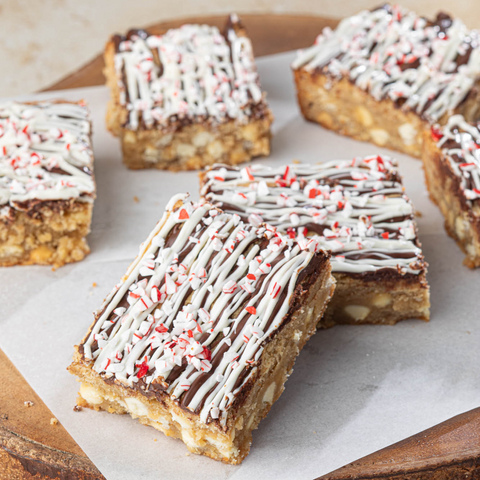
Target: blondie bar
357, 209
385, 75
200, 335
186, 99
47, 186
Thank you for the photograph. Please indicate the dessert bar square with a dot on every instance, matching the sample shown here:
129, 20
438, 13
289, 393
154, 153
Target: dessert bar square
383, 75
451, 161
358, 210
186, 99
47, 186
200, 335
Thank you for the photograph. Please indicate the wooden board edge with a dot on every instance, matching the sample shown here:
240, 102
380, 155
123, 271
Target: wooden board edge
428, 455
37, 459
465, 469
93, 67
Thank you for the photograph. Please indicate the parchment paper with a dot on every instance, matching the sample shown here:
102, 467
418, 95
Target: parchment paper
354, 389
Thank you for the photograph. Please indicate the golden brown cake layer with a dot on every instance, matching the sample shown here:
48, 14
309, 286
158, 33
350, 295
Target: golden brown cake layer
193, 146
54, 235
377, 298
348, 110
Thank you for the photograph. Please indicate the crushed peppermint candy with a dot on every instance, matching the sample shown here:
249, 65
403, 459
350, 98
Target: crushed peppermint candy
41, 163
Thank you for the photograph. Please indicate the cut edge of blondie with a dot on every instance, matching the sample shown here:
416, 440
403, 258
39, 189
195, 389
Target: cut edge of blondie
52, 236
462, 222
340, 106
377, 300
194, 146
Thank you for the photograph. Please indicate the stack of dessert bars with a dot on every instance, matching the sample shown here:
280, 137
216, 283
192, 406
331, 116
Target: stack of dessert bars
355, 209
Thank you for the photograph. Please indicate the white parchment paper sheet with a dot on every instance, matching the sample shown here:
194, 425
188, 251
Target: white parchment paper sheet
354, 389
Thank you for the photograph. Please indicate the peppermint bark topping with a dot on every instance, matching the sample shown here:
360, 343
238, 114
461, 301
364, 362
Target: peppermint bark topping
460, 143
428, 67
45, 153
192, 72
356, 209
195, 327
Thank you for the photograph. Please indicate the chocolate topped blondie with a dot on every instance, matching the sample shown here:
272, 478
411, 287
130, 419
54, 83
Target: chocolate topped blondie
187, 98
356, 209
46, 182
200, 335
451, 161
385, 74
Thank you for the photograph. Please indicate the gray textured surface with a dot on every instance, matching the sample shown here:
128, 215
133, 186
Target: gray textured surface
41, 42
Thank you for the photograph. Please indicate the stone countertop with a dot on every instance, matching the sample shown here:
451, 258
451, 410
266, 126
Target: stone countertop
41, 42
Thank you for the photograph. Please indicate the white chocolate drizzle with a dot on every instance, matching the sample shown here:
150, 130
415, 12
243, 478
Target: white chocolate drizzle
462, 153
394, 53
45, 153
191, 72
201, 298
354, 208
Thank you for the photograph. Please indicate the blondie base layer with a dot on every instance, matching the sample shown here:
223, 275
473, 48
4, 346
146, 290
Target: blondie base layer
451, 162
46, 183
356, 209
199, 337
186, 99
385, 75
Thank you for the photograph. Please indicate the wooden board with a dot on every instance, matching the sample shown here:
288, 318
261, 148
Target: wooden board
31, 445
269, 34
32, 448
450, 450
